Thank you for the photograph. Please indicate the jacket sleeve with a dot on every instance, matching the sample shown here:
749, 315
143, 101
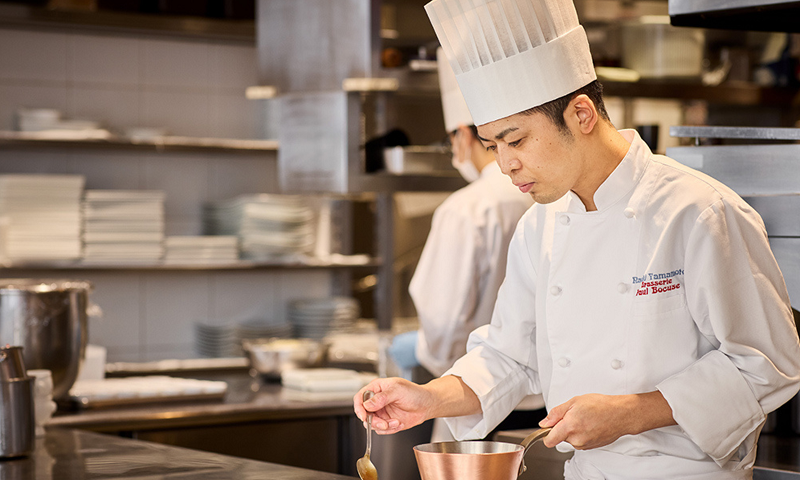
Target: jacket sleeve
495, 365
444, 289
738, 299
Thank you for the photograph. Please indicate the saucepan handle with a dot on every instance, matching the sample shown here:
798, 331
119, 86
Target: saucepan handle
528, 442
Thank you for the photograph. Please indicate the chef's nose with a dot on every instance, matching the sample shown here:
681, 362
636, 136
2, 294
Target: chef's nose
508, 162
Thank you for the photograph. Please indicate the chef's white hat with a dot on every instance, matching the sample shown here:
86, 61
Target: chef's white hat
512, 55
455, 108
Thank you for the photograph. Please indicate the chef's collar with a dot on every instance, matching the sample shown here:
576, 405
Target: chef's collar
622, 180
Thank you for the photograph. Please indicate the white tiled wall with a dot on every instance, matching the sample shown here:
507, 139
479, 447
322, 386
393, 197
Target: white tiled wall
193, 88
190, 87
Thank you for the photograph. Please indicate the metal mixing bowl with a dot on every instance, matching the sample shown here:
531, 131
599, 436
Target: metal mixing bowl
48, 319
271, 356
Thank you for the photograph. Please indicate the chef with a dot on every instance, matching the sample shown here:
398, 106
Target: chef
641, 297
463, 263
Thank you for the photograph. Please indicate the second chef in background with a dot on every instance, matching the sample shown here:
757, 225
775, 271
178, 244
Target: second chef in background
463, 263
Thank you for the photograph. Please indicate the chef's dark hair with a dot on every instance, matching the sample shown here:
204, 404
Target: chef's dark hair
554, 110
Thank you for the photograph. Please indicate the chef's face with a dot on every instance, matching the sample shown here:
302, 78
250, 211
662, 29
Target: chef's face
540, 158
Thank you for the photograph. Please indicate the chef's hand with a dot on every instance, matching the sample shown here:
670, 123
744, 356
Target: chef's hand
593, 421
399, 404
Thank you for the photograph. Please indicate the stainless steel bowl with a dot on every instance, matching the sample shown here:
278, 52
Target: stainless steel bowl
48, 319
271, 356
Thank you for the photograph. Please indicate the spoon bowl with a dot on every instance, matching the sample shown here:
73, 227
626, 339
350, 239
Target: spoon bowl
366, 470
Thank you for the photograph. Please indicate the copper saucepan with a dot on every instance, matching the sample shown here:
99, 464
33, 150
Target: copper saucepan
474, 460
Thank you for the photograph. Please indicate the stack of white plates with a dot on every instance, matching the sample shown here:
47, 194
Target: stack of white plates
123, 226
225, 340
201, 250
317, 317
216, 341
253, 329
268, 226
42, 216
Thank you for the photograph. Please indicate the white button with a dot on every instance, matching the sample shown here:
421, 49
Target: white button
563, 362
622, 288
555, 290
564, 220
616, 364
629, 212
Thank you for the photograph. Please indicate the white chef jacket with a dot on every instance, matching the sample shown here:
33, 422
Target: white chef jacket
462, 265
669, 285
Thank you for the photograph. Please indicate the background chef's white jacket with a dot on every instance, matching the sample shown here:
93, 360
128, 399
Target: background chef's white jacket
462, 265
669, 285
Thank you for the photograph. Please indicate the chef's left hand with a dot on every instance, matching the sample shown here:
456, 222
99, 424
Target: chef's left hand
592, 421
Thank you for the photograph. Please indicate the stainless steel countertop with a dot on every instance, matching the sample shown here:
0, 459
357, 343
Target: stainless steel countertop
75, 455
246, 400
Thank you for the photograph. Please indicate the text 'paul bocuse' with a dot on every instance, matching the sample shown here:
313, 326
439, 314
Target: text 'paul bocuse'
654, 283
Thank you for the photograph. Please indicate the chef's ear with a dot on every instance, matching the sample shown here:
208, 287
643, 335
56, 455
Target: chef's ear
581, 114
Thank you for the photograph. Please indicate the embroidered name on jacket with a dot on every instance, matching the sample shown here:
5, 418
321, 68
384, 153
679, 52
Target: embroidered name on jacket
656, 283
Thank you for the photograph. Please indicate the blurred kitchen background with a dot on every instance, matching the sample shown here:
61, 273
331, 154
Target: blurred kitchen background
215, 167
135, 88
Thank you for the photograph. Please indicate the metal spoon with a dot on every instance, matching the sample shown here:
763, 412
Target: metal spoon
366, 470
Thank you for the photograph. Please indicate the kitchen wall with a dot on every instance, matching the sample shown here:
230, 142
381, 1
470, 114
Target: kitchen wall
190, 87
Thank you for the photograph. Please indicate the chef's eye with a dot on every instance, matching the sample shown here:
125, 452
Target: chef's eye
491, 148
514, 143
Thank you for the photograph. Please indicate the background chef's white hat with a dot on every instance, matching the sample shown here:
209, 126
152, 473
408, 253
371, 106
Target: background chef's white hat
455, 108
512, 55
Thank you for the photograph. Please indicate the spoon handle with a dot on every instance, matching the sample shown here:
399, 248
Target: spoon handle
367, 395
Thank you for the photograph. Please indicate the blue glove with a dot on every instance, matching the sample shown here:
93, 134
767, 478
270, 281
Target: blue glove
404, 350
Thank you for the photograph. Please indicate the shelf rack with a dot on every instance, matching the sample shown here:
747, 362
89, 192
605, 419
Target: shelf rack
241, 265
239, 31
165, 143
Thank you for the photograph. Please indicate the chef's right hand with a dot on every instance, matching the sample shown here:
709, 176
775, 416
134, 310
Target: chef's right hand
397, 405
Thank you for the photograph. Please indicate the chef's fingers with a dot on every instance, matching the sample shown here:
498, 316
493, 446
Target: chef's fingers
553, 419
558, 434
555, 415
374, 386
386, 425
358, 407
380, 400
391, 431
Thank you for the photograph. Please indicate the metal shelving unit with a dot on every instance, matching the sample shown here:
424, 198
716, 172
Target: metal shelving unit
372, 263
166, 143
16, 15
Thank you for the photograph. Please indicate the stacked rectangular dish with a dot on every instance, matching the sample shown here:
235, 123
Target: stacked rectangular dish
201, 250
123, 226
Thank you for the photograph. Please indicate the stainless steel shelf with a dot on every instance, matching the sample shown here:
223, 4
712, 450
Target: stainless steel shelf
243, 31
242, 265
421, 84
166, 143
745, 133
763, 15
744, 94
